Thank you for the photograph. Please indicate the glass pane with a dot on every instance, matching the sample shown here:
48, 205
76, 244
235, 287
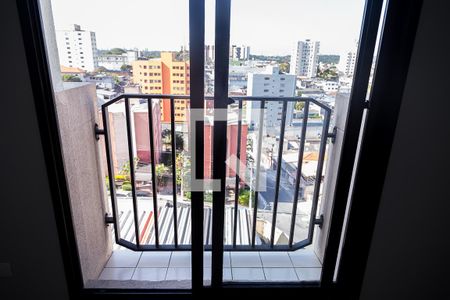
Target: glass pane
265, 64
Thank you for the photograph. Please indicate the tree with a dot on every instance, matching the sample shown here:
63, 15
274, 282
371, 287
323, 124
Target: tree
284, 67
179, 168
125, 68
329, 73
126, 168
100, 70
299, 105
116, 51
70, 78
179, 141
161, 171
244, 197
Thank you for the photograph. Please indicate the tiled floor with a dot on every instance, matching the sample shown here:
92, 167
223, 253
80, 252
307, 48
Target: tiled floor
301, 265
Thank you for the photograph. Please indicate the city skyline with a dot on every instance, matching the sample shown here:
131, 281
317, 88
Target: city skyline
254, 23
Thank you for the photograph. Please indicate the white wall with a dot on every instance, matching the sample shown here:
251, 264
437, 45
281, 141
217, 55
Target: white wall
29, 240
409, 256
77, 49
271, 84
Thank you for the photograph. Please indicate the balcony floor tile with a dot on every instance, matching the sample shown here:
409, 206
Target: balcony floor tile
179, 274
116, 274
123, 259
155, 259
308, 274
150, 274
245, 260
280, 274
247, 274
275, 259
180, 260
305, 259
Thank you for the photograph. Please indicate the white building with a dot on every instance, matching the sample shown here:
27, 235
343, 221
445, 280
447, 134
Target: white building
210, 54
77, 48
271, 84
115, 62
350, 63
330, 86
304, 58
240, 52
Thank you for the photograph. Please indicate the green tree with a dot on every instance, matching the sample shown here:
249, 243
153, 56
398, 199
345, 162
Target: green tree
126, 186
244, 197
179, 167
299, 105
161, 171
70, 78
125, 68
284, 67
116, 51
100, 70
126, 168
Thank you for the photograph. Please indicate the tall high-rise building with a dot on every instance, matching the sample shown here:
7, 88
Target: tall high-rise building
350, 62
304, 58
271, 84
165, 75
77, 48
210, 54
239, 52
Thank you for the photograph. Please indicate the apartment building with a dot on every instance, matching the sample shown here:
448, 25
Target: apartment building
164, 75
115, 62
77, 48
271, 84
239, 52
350, 63
209, 53
304, 58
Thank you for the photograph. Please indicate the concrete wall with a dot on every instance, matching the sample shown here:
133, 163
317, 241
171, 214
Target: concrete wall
409, 257
29, 241
77, 114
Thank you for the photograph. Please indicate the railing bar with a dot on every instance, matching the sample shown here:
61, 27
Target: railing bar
174, 170
318, 179
238, 157
111, 175
153, 167
278, 174
299, 171
258, 166
132, 170
234, 98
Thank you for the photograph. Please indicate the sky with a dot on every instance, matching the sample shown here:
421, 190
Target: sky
269, 27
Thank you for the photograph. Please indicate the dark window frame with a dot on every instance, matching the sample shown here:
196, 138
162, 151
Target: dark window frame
389, 81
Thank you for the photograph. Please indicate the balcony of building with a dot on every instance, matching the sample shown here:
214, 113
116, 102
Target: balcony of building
255, 250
